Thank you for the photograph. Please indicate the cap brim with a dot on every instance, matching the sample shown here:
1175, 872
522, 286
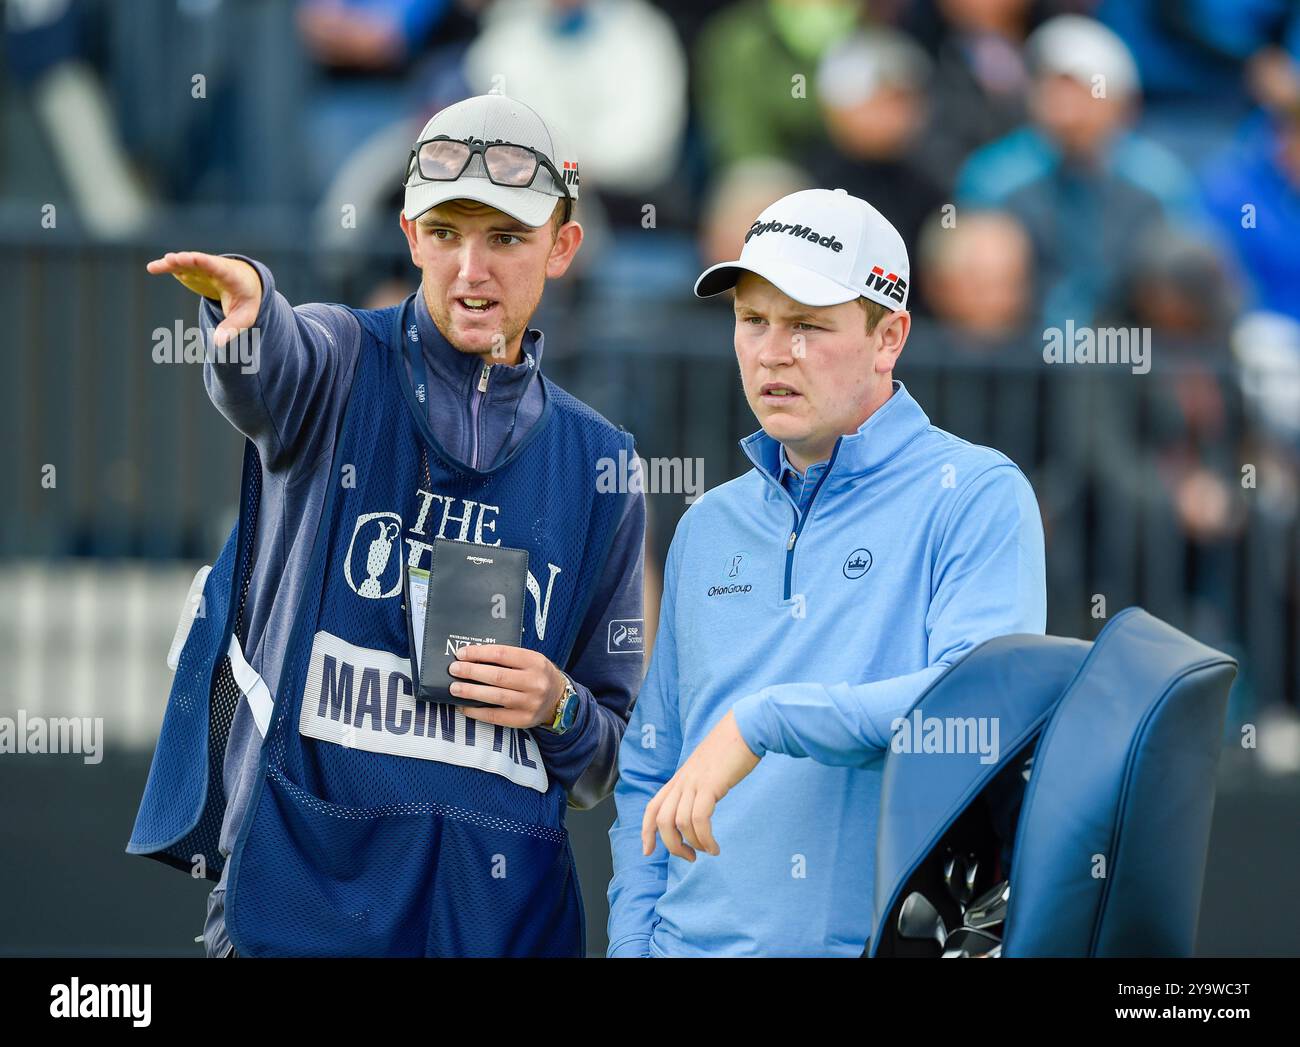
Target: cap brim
530, 206
794, 281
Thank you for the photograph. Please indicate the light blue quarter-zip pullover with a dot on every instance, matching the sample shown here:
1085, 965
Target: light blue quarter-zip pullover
818, 628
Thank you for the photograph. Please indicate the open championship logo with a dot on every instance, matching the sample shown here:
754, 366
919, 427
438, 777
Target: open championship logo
383, 530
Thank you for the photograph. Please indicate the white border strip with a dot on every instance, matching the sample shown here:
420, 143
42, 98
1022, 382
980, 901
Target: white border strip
251, 683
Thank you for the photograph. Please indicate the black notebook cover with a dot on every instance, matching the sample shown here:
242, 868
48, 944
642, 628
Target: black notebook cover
467, 584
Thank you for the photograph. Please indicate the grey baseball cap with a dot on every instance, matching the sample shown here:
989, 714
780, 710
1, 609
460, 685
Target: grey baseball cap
495, 118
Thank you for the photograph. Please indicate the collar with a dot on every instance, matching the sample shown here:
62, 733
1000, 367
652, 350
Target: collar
459, 370
889, 429
784, 467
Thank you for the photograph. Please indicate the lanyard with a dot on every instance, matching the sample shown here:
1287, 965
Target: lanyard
411, 342
419, 375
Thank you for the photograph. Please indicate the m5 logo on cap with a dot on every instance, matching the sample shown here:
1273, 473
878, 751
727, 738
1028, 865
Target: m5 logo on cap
570, 173
793, 229
890, 283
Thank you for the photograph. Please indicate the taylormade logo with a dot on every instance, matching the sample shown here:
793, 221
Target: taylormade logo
804, 232
102, 1001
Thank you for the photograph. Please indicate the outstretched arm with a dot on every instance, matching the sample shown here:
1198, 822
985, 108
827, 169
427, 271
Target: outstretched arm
286, 385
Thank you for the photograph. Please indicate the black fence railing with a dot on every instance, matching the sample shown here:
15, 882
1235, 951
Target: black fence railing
1144, 480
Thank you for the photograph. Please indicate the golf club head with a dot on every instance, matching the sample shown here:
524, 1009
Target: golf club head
919, 920
968, 886
990, 908
954, 878
966, 942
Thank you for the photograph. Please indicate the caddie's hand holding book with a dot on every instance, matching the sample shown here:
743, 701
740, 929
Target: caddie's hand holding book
471, 594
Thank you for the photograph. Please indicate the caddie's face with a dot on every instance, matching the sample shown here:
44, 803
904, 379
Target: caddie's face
483, 272
809, 374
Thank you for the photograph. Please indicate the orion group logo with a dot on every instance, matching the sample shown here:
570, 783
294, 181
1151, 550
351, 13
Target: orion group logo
732, 569
736, 564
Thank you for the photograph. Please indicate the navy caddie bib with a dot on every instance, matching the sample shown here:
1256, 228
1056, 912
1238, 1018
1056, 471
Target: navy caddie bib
382, 825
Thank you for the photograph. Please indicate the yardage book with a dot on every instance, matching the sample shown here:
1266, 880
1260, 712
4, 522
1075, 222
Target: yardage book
470, 594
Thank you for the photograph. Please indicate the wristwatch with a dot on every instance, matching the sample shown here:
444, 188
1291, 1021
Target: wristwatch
566, 710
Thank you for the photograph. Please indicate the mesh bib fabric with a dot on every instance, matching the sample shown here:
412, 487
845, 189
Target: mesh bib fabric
367, 853
180, 814
349, 848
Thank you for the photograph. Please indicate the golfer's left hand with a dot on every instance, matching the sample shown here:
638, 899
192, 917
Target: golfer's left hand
681, 810
523, 684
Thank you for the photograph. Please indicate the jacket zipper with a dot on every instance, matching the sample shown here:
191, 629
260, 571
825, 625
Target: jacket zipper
474, 415
799, 522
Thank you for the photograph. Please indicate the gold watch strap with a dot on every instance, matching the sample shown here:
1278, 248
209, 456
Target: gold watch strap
559, 705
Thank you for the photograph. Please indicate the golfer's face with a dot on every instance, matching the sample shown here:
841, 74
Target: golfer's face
806, 371
483, 274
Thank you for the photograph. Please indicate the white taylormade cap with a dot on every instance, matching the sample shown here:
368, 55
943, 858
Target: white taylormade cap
487, 119
820, 247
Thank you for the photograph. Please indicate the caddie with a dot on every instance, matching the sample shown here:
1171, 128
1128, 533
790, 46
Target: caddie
806, 605
340, 813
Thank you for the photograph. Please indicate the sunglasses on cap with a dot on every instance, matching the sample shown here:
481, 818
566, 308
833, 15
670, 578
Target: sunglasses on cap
444, 159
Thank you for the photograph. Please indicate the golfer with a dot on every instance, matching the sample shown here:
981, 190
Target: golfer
357, 819
806, 605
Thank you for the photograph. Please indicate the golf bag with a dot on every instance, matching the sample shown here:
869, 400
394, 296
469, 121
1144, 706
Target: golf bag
1082, 829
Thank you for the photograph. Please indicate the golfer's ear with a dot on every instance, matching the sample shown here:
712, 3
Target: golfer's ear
412, 242
566, 245
893, 331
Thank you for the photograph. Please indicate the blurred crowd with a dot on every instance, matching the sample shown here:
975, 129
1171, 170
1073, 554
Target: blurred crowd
1116, 163
1081, 129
